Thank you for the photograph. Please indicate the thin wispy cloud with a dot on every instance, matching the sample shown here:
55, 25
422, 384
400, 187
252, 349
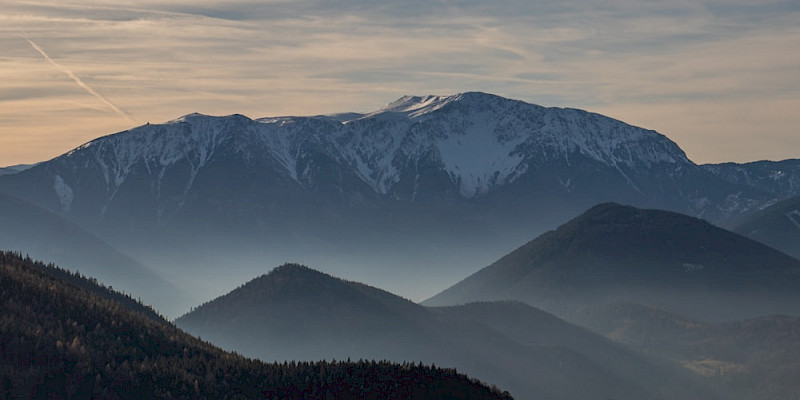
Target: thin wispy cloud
79, 81
685, 68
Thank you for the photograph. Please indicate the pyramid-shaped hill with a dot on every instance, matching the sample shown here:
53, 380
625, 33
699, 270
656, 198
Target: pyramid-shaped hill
297, 313
614, 253
302, 307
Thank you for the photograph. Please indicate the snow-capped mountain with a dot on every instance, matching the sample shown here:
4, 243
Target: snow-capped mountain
475, 171
476, 143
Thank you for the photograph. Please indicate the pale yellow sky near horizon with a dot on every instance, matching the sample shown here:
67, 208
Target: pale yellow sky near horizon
719, 77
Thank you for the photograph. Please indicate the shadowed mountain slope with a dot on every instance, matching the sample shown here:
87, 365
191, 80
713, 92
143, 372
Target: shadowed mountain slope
777, 226
615, 253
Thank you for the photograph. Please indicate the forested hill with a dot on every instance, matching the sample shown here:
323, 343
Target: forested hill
61, 333
53, 272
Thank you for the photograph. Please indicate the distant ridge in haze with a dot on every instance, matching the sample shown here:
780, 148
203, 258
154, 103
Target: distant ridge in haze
777, 226
614, 253
13, 169
755, 358
45, 235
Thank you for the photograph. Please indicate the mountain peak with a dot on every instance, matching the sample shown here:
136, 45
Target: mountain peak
195, 116
616, 214
607, 207
287, 280
295, 272
417, 106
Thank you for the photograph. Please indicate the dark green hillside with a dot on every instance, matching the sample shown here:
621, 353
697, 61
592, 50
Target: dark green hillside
62, 336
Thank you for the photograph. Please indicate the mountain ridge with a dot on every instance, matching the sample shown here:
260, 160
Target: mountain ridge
779, 177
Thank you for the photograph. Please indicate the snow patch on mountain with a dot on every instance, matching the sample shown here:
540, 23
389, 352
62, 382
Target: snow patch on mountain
64, 193
794, 217
478, 160
154, 149
417, 106
781, 178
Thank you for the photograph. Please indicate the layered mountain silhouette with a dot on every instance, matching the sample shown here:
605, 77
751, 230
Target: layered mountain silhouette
13, 169
295, 312
445, 183
62, 335
614, 253
777, 226
45, 235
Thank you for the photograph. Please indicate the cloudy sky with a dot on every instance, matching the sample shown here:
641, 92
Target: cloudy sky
719, 77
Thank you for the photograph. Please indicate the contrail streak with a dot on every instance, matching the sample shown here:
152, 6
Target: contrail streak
71, 75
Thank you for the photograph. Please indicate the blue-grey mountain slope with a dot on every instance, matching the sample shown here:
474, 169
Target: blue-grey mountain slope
777, 226
42, 234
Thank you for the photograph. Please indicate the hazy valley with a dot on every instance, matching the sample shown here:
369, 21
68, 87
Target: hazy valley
430, 188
